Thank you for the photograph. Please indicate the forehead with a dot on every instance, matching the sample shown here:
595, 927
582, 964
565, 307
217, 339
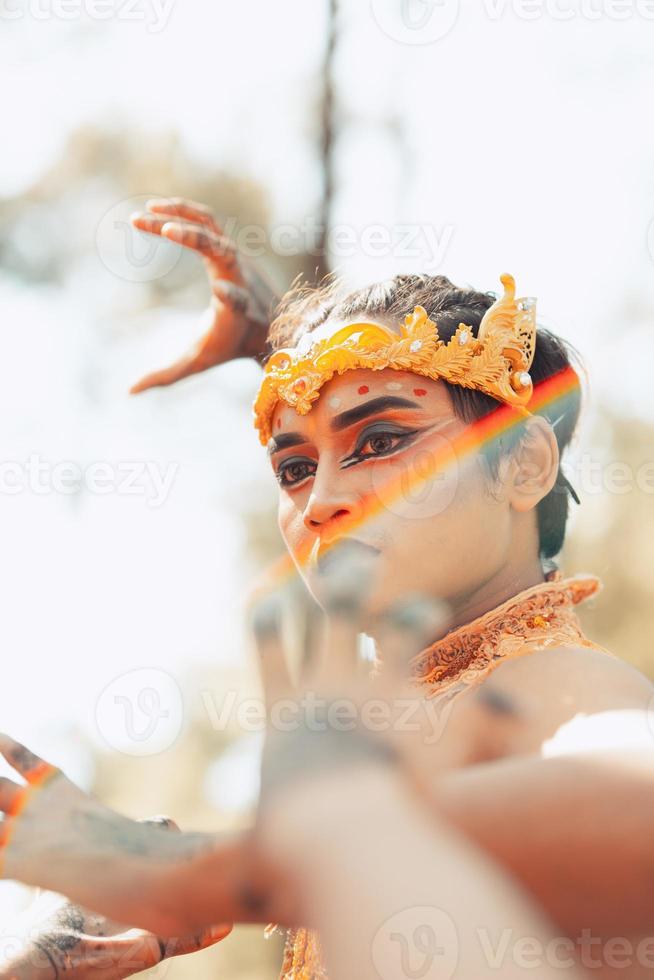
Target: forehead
354, 387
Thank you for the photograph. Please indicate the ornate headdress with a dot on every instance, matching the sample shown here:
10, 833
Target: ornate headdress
496, 361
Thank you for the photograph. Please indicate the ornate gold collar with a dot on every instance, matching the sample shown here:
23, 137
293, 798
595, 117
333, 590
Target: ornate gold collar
541, 616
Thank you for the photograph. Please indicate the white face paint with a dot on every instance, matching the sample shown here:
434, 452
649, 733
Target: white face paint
335, 402
394, 386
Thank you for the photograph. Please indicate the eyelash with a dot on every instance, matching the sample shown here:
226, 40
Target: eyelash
403, 436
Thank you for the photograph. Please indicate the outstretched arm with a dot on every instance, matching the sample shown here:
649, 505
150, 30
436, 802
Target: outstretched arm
556, 782
54, 936
575, 830
55, 836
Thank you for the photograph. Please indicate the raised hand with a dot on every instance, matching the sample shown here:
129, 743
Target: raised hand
55, 936
341, 713
57, 837
237, 319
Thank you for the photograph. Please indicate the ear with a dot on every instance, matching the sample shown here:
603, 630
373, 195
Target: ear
534, 465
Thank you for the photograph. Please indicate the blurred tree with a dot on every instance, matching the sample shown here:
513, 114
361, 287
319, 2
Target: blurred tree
328, 137
612, 536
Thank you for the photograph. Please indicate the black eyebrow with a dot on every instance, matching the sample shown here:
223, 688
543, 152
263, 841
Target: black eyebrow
371, 407
284, 441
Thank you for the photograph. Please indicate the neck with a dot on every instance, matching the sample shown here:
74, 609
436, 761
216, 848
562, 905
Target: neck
508, 582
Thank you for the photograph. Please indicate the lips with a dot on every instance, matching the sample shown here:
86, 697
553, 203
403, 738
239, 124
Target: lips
344, 551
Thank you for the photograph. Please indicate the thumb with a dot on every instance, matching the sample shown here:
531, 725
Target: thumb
179, 946
195, 941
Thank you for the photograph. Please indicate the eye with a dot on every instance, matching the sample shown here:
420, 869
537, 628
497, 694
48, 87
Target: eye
380, 443
294, 471
380, 440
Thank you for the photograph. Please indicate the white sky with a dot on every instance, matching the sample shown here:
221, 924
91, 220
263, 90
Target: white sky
523, 146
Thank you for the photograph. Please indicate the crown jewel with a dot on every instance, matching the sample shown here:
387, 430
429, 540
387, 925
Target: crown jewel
496, 361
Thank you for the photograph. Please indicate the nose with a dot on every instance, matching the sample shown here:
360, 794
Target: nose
329, 506
319, 515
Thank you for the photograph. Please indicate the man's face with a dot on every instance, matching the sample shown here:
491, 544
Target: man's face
354, 468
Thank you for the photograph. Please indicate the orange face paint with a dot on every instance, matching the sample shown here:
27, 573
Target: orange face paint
470, 441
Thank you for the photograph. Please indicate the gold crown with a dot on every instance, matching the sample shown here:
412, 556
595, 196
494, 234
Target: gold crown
496, 361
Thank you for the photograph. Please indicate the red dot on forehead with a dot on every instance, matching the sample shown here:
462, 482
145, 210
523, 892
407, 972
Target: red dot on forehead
364, 389
420, 391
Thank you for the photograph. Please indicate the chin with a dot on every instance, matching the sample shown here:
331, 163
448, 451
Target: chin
375, 605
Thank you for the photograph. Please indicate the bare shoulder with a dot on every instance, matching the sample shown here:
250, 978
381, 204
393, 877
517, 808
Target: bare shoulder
547, 689
595, 680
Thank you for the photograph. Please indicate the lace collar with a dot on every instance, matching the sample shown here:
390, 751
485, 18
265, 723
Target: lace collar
541, 616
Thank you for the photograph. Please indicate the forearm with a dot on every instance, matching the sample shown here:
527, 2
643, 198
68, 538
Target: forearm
386, 882
531, 815
576, 831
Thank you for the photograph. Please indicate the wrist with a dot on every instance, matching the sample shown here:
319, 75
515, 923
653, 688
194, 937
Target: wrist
255, 345
316, 748
337, 804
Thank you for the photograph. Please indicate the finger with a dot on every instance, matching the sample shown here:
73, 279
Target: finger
402, 633
218, 250
193, 943
346, 572
138, 950
187, 365
339, 661
10, 796
154, 224
6, 830
149, 223
184, 210
130, 952
32, 768
200, 233
266, 619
